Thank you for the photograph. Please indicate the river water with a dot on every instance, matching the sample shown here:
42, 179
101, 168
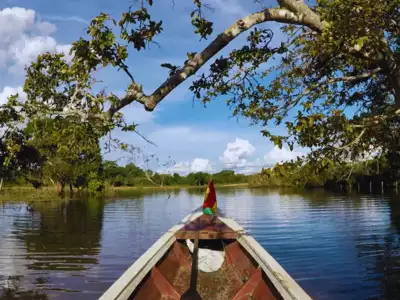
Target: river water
334, 246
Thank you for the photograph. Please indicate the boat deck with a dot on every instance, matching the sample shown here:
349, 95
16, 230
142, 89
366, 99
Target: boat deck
238, 278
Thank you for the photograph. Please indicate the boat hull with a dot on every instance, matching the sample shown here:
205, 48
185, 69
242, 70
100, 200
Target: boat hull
247, 270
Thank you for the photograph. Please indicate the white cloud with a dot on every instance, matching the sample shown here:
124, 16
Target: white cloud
236, 154
231, 7
24, 37
28, 48
8, 91
68, 19
201, 165
277, 155
46, 28
14, 21
3, 58
184, 137
137, 114
197, 165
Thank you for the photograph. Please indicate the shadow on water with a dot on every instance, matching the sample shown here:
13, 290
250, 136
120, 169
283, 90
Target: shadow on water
12, 290
379, 251
69, 231
54, 244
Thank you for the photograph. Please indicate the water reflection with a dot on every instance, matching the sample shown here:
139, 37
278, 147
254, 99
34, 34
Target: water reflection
12, 290
51, 245
379, 252
335, 246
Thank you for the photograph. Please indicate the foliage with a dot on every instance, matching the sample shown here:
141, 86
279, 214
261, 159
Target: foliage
68, 152
332, 90
95, 184
336, 87
130, 175
301, 174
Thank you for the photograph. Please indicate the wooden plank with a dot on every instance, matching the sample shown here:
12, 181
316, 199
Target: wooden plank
166, 288
210, 227
232, 224
283, 282
205, 235
191, 293
126, 284
235, 256
248, 288
286, 286
187, 219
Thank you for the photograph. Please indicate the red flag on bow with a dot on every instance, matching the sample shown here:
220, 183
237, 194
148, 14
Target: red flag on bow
210, 199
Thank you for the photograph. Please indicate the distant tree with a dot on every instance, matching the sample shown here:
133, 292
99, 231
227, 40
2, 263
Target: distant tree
69, 151
25, 162
177, 179
134, 171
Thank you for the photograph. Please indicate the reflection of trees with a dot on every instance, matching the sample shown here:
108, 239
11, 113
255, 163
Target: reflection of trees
13, 291
381, 254
197, 191
394, 203
64, 236
314, 197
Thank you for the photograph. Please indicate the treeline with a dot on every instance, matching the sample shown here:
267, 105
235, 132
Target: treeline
109, 173
65, 153
369, 175
131, 175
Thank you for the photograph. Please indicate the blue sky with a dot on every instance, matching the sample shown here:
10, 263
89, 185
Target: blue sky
196, 138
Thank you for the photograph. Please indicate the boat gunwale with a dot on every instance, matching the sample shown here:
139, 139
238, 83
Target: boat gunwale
287, 287
126, 284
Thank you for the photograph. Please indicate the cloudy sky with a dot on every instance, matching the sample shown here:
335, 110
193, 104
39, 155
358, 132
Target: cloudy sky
194, 137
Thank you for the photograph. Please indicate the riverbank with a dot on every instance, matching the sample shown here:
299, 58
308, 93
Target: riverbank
173, 187
30, 194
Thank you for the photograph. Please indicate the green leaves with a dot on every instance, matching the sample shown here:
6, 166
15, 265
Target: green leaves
203, 27
131, 127
137, 28
172, 68
324, 93
66, 149
360, 42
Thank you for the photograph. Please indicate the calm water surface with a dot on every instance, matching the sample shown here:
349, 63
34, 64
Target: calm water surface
345, 247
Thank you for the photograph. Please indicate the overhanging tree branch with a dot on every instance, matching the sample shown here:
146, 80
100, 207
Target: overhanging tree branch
282, 15
355, 141
344, 79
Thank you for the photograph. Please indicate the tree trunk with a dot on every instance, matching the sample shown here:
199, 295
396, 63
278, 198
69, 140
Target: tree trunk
60, 188
71, 190
396, 85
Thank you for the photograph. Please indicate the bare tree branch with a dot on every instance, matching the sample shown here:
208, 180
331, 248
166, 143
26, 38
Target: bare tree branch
306, 92
355, 141
377, 120
352, 78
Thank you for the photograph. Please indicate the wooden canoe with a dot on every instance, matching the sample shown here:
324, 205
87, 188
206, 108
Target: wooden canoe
247, 270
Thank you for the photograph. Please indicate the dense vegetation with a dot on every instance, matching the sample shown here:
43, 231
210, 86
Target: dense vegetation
335, 87
130, 175
109, 173
368, 175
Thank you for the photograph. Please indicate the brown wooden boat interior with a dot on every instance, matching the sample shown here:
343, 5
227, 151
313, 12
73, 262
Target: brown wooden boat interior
238, 278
